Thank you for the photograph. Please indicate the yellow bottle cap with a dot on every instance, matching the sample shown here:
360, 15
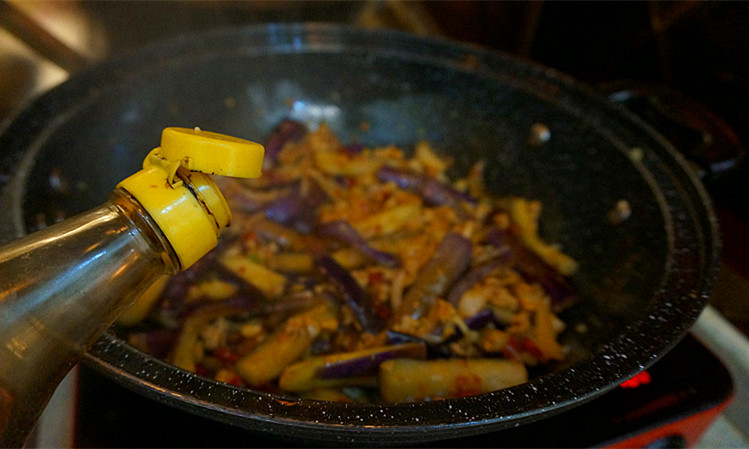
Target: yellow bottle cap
212, 153
175, 189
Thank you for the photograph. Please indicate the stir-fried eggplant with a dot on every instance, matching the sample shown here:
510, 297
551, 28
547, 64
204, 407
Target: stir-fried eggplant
355, 273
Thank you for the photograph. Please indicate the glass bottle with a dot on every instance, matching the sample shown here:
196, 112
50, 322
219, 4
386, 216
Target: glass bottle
62, 287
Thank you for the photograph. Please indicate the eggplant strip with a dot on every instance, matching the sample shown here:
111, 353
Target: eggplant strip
284, 346
471, 278
346, 233
434, 192
533, 269
407, 380
356, 298
286, 132
449, 261
352, 368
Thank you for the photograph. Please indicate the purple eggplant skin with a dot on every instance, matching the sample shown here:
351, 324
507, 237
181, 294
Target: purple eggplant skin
352, 293
533, 269
287, 131
242, 305
473, 277
280, 234
368, 363
244, 302
354, 148
170, 308
297, 207
480, 319
434, 350
344, 232
434, 192
451, 258
237, 305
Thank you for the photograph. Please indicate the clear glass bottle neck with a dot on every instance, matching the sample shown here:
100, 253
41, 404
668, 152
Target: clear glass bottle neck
60, 288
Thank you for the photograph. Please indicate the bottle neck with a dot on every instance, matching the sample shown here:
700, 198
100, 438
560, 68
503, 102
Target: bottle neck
60, 288
147, 227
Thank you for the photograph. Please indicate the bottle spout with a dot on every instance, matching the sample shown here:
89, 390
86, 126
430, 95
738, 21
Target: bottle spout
175, 188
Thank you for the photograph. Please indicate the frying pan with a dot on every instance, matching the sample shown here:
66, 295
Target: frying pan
643, 280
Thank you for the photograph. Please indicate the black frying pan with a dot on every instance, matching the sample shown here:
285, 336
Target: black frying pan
644, 281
